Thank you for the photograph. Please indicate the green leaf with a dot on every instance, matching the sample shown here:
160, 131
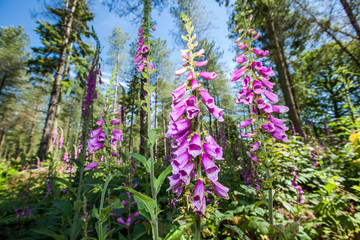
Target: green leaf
287, 206
67, 183
146, 205
77, 206
291, 230
328, 187
142, 159
155, 70
258, 203
238, 231
49, 233
117, 204
153, 135
160, 180
175, 233
65, 207
95, 213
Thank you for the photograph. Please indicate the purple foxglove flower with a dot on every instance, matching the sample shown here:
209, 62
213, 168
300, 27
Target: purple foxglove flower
200, 52
144, 49
141, 41
141, 31
268, 127
210, 168
179, 138
117, 134
94, 147
209, 139
183, 148
180, 162
136, 214
115, 121
177, 113
100, 122
242, 46
184, 54
267, 108
271, 96
175, 184
280, 135
194, 84
190, 76
185, 173
260, 53
256, 36
91, 165
220, 190
121, 221
151, 66
240, 59
279, 109
278, 123
192, 112
128, 221
254, 147
237, 74
179, 92
101, 137
181, 71
217, 113
137, 59
208, 75
243, 92
95, 132
213, 151
195, 147
207, 99
199, 201
248, 99
267, 84
258, 87
115, 154
179, 126
252, 157
191, 102
201, 64
257, 65
245, 82
140, 67
245, 123
266, 71
260, 103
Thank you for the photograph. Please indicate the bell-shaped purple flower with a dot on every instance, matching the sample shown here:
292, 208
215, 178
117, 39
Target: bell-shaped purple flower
195, 146
177, 113
182, 148
252, 157
115, 121
180, 162
185, 173
279, 109
220, 190
255, 146
213, 150
179, 92
217, 113
117, 134
100, 122
199, 201
207, 99
96, 132
179, 138
210, 168
91, 166
245, 123
208, 75
271, 96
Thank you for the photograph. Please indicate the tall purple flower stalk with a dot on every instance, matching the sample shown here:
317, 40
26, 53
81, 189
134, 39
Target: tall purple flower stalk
193, 149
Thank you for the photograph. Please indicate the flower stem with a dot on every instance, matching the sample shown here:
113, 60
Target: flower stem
103, 192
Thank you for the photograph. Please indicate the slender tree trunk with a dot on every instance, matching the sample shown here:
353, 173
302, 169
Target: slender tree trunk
32, 131
3, 133
68, 132
352, 17
2, 83
281, 68
58, 76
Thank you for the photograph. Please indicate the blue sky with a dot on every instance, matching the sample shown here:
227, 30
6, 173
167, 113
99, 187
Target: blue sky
21, 12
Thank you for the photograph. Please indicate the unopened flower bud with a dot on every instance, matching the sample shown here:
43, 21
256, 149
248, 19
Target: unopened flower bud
257, 36
249, 31
251, 17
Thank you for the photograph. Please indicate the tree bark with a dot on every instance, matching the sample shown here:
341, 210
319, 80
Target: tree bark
58, 76
2, 83
281, 68
32, 131
351, 17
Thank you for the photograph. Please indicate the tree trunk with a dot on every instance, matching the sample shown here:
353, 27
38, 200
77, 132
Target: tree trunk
281, 68
58, 76
351, 17
3, 133
2, 83
33, 124
143, 118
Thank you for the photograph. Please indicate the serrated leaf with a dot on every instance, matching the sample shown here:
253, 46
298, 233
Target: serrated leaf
95, 213
153, 135
77, 206
160, 180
